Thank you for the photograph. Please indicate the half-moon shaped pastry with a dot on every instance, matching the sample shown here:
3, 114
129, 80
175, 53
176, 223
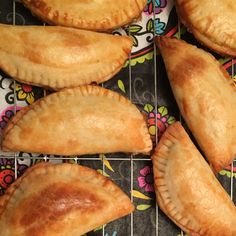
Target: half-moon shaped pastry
211, 22
60, 200
187, 190
83, 120
94, 15
59, 57
206, 96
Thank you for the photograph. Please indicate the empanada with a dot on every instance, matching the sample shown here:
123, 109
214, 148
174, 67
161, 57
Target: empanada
206, 96
59, 57
60, 200
93, 15
211, 22
83, 120
187, 190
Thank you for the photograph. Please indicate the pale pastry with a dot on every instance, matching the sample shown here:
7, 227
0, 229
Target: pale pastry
94, 15
187, 190
84, 120
206, 96
211, 22
60, 200
58, 57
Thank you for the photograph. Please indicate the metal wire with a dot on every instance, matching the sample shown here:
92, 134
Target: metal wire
131, 156
155, 104
180, 116
14, 91
232, 165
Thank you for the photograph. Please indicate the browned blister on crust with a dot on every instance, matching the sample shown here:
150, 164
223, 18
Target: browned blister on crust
100, 15
187, 190
58, 57
84, 120
211, 22
60, 200
206, 96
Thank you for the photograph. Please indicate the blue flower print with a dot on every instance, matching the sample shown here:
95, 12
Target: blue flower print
159, 26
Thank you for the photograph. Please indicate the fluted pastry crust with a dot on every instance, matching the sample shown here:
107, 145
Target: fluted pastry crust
84, 120
211, 22
206, 96
60, 200
58, 57
93, 15
187, 190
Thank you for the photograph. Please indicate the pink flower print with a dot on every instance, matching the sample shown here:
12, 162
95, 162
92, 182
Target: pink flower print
145, 180
162, 123
158, 120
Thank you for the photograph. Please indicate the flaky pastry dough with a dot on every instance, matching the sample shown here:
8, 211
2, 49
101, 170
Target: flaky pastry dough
84, 120
59, 57
60, 200
187, 190
206, 96
211, 22
94, 15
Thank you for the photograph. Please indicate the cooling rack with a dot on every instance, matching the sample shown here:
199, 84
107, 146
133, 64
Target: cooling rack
143, 80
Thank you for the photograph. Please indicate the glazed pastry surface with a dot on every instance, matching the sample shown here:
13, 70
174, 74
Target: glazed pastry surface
187, 190
206, 96
57, 57
93, 15
60, 200
211, 22
84, 120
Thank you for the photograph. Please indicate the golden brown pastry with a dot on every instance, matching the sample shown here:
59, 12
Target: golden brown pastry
211, 22
59, 57
187, 190
83, 120
93, 15
206, 96
60, 200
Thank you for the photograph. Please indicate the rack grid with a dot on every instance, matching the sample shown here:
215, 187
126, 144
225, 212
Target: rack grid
131, 160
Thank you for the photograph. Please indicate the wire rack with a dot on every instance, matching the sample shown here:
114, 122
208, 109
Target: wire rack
130, 160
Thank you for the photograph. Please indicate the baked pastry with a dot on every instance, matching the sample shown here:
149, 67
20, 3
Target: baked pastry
206, 96
211, 22
93, 15
60, 200
83, 120
187, 190
58, 57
